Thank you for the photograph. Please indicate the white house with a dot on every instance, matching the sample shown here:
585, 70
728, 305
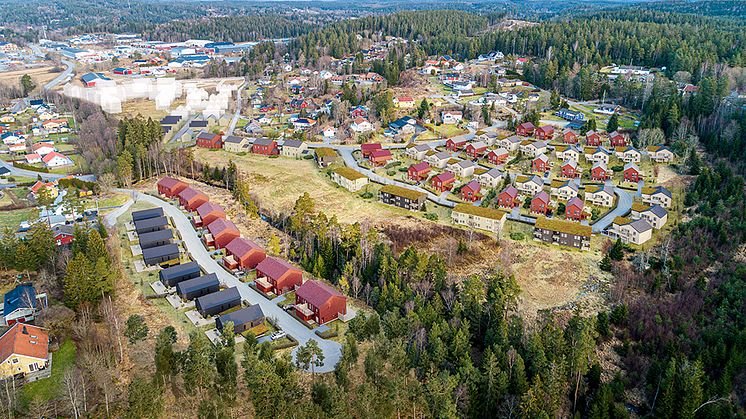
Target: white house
55, 159
631, 231
660, 153
361, 125
451, 117
529, 185
657, 195
600, 195
490, 178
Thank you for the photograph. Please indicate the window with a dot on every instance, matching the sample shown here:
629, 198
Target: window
15, 360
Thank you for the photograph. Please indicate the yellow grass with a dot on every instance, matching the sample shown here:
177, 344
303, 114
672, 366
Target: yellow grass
40, 76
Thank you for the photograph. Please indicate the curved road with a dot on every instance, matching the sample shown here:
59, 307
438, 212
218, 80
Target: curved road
623, 205
15, 171
62, 76
332, 350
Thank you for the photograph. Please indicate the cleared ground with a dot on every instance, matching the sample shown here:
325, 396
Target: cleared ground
40, 76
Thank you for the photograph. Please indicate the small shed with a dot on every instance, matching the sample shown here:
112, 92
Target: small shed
243, 319
160, 254
156, 238
197, 287
151, 224
218, 302
147, 213
176, 274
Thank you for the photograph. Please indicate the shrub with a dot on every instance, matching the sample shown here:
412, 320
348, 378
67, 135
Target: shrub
431, 216
517, 236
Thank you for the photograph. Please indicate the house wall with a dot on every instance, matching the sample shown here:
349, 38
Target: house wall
20, 364
482, 223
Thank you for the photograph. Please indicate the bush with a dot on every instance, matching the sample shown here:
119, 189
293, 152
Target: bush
366, 195
30, 167
517, 236
431, 216
136, 328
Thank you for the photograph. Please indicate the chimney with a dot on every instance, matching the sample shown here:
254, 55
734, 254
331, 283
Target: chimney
24, 331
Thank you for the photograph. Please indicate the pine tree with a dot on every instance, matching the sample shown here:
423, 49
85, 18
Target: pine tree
613, 123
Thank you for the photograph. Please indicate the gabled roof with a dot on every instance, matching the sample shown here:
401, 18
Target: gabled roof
493, 173
209, 207
657, 210
442, 177
220, 225
275, 267
652, 190
575, 201
243, 316
241, 246
292, 143
179, 270
542, 196
510, 190
217, 298
49, 157
189, 193
169, 182
264, 142
22, 296
420, 166
233, 139
194, 284
473, 185
317, 293
24, 339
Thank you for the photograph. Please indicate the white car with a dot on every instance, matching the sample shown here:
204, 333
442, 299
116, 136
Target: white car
278, 335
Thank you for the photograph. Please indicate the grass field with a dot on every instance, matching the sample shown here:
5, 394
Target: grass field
13, 218
50, 388
40, 76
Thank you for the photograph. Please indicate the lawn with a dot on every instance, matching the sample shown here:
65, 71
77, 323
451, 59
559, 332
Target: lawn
446, 130
50, 388
13, 218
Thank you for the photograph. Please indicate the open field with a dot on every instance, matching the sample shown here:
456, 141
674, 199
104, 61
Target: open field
13, 218
40, 76
52, 387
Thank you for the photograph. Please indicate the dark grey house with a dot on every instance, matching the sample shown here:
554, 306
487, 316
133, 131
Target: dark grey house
402, 197
243, 319
175, 274
197, 287
156, 238
218, 302
160, 254
563, 233
151, 224
148, 213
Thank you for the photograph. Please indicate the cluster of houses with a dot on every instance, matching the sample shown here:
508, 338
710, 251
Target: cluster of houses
257, 145
24, 348
20, 141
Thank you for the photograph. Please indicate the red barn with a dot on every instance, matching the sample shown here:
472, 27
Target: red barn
545, 132
592, 138
574, 209
223, 232
243, 253
508, 197
540, 203
632, 173
498, 156
265, 147
470, 191
526, 129
317, 301
569, 136
443, 182
475, 150
380, 157
170, 187
209, 140
456, 144
277, 276
191, 198
207, 213
540, 164
419, 171
599, 172
617, 139
570, 169
368, 148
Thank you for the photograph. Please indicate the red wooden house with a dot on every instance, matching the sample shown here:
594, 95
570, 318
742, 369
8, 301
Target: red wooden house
265, 147
191, 198
243, 253
470, 191
223, 232
574, 209
570, 169
508, 197
540, 163
540, 203
443, 182
368, 148
499, 156
358, 112
419, 171
569, 136
380, 157
475, 150
525, 129
592, 138
599, 172
277, 276
63, 234
209, 140
632, 173
207, 213
170, 187
317, 301
617, 139
545, 132
456, 144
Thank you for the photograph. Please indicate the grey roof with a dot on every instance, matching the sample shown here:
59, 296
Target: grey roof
493, 173
233, 139
196, 284
663, 190
179, 270
658, 210
156, 252
262, 141
198, 124
217, 298
242, 316
151, 222
292, 143
641, 225
170, 120
147, 213
155, 236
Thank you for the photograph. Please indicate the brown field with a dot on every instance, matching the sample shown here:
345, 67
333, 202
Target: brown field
145, 108
40, 76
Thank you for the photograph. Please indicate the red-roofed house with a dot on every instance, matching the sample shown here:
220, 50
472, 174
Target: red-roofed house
540, 203
24, 349
207, 213
419, 171
43, 148
508, 197
443, 182
545, 132
277, 276
368, 148
222, 232
55, 159
456, 144
617, 139
191, 198
317, 301
525, 129
569, 136
498, 156
470, 191
243, 253
33, 158
574, 209
380, 157
170, 187
592, 138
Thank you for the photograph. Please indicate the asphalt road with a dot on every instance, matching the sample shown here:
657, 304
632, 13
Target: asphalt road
332, 350
14, 171
237, 115
623, 205
62, 76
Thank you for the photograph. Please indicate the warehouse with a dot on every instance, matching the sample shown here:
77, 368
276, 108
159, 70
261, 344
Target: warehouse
156, 238
176, 274
218, 302
243, 319
151, 224
197, 287
161, 254
146, 214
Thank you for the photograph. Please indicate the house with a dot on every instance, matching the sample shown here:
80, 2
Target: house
17, 148
63, 234
563, 233
160, 255
329, 132
325, 156
380, 157
489, 138
655, 215
155, 238
631, 231
632, 173
489, 178
404, 102
660, 153
170, 187
417, 152
207, 213
476, 149
564, 189
244, 319
617, 139
191, 199
319, 302
43, 148
592, 139
209, 140
600, 195
418, 171
498, 156
277, 276
50, 188
451, 117
511, 143
22, 304
570, 169
367, 148
596, 155
55, 159
359, 112
147, 214
508, 197
361, 125
470, 191
545, 132
456, 143
402, 197
482, 218
90, 79
222, 231
348, 178
404, 125
235, 144
540, 163
443, 181
293, 148
569, 136
462, 168
599, 171
525, 129
24, 349
303, 123
439, 159
529, 185
628, 154
190, 289
218, 302
534, 148
265, 147
657, 195
574, 209
570, 115
150, 224
243, 253
179, 273
567, 152
540, 203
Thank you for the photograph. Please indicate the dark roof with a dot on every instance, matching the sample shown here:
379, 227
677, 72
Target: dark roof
263, 141
233, 139
151, 222
170, 120
156, 236
22, 296
217, 298
242, 316
147, 213
292, 143
196, 284
179, 270
198, 124
156, 252
316, 292
275, 267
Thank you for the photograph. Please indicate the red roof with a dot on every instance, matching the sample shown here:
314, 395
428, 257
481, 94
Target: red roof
511, 191
548, 129
370, 146
317, 293
527, 125
473, 185
274, 267
207, 208
24, 339
188, 193
420, 166
543, 196
52, 155
168, 182
443, 177
40, 145
380, 153
220, 225
576, 202
240, 246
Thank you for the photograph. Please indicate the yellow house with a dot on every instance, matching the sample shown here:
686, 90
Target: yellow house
24, 349
7, 119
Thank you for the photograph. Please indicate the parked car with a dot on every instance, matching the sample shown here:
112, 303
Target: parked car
278, 335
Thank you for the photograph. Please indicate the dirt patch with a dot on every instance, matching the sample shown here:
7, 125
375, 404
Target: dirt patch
40, 76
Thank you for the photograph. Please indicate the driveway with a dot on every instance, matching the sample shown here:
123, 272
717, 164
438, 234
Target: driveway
623, 205
332, 350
